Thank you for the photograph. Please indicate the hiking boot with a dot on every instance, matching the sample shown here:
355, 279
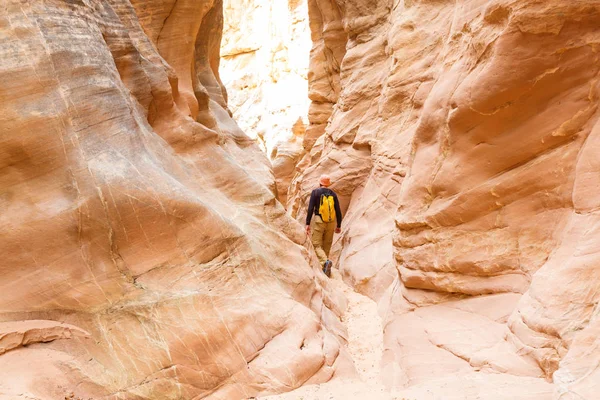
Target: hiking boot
327, 268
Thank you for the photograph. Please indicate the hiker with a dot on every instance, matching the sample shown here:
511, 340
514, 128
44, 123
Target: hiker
324, 205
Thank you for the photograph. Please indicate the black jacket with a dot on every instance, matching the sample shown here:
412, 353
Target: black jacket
313, 205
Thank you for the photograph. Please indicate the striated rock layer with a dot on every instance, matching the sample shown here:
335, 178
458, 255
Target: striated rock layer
463, 143
144, 253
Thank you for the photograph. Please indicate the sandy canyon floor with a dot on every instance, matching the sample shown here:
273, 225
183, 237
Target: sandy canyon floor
365, 345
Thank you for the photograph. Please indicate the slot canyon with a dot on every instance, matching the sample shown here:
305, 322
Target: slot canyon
156, 163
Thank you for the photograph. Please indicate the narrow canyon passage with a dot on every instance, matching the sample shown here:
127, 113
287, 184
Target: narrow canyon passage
264, 67
156, 160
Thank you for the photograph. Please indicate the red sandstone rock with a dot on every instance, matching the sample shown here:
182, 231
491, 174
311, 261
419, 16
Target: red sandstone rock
463, 143
146, 255
135, 209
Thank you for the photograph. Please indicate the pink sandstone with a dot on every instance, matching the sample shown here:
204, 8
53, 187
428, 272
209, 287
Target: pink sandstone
135, 209
463, 141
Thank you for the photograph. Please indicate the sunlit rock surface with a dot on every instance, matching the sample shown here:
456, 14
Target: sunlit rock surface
464, 144
144, 253
264, 66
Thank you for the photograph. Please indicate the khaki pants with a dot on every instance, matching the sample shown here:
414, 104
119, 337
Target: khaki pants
322, 237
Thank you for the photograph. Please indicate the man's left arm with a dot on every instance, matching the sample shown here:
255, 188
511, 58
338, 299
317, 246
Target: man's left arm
338, 213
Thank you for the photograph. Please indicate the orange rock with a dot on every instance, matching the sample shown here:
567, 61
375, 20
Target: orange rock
463, 141
134, 208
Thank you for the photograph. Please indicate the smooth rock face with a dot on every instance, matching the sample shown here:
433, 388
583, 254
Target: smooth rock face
264, 66
144, 252
463, 144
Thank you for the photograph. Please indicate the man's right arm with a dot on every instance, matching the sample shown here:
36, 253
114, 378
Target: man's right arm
338, 213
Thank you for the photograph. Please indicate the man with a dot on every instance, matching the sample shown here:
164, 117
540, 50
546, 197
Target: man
324, 205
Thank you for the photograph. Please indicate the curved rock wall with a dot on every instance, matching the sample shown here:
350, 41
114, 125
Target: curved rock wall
463, 146
145, 254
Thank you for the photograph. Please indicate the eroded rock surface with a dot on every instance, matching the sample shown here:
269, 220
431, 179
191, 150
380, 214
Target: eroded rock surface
463, 144
135, 209
23, 333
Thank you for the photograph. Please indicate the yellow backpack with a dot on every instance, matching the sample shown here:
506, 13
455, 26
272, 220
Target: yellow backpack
327, 208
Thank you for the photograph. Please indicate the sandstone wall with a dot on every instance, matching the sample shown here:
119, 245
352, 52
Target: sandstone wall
463, 146
144, 252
